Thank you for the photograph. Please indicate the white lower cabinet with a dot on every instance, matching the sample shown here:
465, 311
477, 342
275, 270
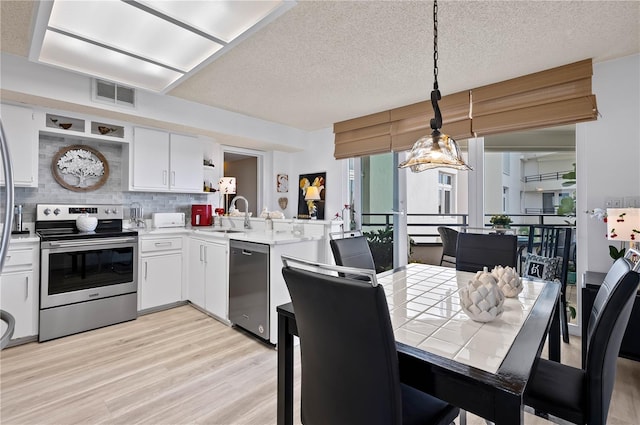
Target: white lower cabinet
19, 288
17, 298
208, 277
160, 272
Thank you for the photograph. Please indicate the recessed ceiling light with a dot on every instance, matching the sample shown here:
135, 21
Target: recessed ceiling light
147, 44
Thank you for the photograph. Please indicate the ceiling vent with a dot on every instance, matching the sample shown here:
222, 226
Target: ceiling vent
107, 92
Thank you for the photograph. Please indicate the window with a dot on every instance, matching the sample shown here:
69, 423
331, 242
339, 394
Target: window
506, 163
505, 199
445, 193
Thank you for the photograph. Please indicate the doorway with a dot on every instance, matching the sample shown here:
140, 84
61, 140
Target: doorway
246, 167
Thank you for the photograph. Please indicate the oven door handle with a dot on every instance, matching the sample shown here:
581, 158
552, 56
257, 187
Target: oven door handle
91, 242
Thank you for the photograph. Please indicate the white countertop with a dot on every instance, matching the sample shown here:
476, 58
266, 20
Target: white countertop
26, 237
270, 237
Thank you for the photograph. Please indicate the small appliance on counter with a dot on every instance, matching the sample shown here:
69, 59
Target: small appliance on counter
161, 220
18, 228
201, 215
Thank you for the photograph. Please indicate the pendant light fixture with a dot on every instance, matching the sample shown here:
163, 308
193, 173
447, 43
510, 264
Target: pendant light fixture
436, 150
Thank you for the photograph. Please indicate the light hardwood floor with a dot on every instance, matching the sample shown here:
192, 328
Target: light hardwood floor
178, 366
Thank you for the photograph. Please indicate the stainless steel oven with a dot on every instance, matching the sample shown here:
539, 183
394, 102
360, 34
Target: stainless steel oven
87, 279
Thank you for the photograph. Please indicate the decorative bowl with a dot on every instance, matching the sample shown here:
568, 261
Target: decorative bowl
86, 223
105, 130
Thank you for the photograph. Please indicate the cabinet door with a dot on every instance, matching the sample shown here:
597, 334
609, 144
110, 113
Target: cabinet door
150, 166
161, 280
196, 272
216, 291
22, 138
17, 297
186, 173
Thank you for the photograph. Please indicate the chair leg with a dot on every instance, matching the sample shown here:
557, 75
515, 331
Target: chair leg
463, 417
564, 320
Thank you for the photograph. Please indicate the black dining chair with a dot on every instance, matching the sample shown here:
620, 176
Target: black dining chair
477, 250
449, 239
352, 250
553, 242
582, 396
350, 372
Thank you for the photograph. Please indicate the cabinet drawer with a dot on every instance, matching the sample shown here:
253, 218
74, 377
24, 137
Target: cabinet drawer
23, 258
164, 244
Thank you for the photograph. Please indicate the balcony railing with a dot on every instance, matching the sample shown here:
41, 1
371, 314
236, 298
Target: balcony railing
556, 175
422, 228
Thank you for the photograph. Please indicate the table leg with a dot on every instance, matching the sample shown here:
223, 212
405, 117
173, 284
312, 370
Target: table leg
509, 410
554, 335
285, 373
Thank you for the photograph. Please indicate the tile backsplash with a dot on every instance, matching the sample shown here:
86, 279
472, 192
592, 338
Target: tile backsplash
49, 191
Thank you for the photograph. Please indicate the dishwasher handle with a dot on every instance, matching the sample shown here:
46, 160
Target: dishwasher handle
246, 252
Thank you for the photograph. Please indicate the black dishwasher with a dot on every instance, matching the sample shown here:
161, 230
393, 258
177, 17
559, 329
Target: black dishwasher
249, 287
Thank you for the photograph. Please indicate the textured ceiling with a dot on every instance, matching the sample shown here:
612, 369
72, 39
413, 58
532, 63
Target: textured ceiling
328, 61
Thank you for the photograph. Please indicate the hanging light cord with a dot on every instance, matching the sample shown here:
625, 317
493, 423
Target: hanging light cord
436, 122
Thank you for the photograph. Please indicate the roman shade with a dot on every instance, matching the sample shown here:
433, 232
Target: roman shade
548, 98
554, 97
368, 135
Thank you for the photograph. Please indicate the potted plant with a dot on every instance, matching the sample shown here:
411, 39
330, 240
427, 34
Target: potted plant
500, 222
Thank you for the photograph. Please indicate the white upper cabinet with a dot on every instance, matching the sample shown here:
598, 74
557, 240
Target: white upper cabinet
165, 162
22, 139
186, 163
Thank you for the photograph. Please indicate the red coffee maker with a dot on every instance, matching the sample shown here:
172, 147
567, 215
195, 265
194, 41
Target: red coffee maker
201, 215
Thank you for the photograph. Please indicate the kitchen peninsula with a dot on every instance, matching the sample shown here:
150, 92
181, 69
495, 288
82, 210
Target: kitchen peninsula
191, 264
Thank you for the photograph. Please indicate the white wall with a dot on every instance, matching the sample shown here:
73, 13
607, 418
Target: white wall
29, 78
318, 157
492, 183
608, 155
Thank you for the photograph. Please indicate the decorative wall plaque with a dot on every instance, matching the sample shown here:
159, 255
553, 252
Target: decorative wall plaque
80, 168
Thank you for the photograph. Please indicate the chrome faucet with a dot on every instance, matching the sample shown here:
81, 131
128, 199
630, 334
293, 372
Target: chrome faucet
247, 224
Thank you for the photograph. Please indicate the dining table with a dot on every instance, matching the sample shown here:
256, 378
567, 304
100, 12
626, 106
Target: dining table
481, 367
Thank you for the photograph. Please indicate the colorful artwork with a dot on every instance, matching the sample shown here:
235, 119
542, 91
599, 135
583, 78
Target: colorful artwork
311, 208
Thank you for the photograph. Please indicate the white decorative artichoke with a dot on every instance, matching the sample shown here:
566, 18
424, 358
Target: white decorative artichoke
508, 281
481, 299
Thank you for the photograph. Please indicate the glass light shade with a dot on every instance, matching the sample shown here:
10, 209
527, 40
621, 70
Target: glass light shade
312, 194
227, 185
623, 224
434, 151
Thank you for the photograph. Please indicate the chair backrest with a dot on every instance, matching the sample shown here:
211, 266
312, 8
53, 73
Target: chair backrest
476, 251
607, 324
552, 242
449, 238
352, 252
347, 348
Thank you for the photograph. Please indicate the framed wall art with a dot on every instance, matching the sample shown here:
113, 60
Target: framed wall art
80, 168
311, 195
282, 183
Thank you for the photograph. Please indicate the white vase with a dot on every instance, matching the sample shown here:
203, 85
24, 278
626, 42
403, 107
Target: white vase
86, 223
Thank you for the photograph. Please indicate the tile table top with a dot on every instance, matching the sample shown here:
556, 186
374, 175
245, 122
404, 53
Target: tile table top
425, 313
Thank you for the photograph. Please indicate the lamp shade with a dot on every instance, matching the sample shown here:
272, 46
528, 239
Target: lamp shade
434, 151
227, 185
312, 194
623, 224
